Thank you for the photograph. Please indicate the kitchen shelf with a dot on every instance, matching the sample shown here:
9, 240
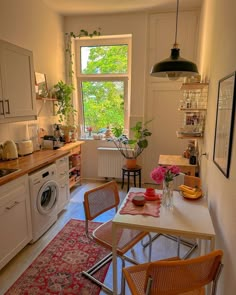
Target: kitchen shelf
193, 86
46, 98
77, 167
192, 110
74, 149
189, 135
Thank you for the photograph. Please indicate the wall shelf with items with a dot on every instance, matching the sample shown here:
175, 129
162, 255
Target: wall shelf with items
192, 110
46, 98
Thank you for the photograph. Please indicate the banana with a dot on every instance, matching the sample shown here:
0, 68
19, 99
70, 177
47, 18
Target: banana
187, 189
196, 195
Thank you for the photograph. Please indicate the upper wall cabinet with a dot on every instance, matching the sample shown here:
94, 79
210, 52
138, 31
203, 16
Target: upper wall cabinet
17, 84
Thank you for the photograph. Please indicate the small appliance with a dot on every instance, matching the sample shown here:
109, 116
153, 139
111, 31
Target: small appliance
9, 151
25, 147
51, 142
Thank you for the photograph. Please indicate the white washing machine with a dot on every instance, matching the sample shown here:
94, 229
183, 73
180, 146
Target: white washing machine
44, 191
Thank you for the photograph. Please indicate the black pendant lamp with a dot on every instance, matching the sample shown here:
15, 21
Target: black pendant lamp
174, 66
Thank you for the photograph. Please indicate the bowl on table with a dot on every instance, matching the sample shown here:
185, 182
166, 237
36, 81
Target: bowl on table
139, 200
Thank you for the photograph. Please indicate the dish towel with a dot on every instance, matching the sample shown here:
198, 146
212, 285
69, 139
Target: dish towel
151, 208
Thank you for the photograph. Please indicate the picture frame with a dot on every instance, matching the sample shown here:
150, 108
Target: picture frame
225, 115
41, 87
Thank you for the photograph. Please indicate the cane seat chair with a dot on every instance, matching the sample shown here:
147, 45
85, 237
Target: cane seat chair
192, 181
182, 277
97, 201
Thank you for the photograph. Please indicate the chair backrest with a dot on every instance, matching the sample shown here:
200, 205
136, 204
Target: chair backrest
179, 276
100, 199
192, 181
178, 180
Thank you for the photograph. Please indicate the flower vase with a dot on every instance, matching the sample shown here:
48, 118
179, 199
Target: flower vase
167, 194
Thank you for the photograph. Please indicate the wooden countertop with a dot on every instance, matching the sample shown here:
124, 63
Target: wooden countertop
174, 160
35, 161
180, 161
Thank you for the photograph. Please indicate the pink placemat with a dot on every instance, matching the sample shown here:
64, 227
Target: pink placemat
151, 208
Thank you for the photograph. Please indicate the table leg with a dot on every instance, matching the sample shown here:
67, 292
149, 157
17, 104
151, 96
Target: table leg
134, 178
128, 182
114, 259
123, 178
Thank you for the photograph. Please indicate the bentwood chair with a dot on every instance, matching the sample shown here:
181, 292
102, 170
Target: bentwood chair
96, 202
186, 277
192, 181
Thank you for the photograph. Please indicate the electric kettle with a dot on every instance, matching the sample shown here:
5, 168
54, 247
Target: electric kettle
9, 150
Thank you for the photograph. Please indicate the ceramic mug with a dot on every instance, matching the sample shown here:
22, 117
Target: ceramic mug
150, 191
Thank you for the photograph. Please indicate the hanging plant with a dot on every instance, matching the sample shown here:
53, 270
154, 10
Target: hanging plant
68, 42
66, 111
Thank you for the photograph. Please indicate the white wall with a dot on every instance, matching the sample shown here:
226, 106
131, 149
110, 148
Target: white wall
218, 59
32, 25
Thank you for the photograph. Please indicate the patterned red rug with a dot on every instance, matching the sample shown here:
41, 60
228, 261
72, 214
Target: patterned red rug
57, 270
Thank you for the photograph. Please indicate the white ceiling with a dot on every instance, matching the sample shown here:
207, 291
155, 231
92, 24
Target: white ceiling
73, 7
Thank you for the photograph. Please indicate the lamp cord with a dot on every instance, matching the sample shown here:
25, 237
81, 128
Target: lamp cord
176, 24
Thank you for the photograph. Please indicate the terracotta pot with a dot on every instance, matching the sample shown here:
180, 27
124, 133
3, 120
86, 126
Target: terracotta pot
131, 163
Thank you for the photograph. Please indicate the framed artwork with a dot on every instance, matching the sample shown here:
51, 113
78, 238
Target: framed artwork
225, 114
41, 88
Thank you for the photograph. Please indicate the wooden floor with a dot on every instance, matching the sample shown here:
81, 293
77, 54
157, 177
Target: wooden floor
162, 247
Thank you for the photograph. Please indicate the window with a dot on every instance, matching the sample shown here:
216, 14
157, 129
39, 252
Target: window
102, 70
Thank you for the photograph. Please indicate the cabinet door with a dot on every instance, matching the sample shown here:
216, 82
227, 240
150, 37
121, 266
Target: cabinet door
64, 194
15, 218
18, 86
63, 180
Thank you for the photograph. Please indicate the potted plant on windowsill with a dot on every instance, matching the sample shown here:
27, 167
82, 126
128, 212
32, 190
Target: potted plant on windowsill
131, 148
65, 109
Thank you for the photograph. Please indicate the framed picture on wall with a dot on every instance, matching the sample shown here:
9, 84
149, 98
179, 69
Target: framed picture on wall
225, 114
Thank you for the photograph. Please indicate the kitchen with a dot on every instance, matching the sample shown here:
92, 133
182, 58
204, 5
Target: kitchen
27, 24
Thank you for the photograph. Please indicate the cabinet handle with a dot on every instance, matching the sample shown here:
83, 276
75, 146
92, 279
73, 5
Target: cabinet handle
8, 106
2, 113
11, 206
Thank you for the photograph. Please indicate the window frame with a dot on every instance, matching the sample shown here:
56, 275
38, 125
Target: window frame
125, 78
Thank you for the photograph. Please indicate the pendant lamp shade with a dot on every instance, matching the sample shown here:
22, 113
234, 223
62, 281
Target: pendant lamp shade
174, 66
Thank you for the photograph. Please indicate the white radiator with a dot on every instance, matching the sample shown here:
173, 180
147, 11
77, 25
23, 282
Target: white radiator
110, 162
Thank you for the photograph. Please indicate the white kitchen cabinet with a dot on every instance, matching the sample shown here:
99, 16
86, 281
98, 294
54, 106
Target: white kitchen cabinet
17, 84
15, 218
63, 181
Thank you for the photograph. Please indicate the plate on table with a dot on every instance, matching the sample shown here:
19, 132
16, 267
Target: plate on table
152, 198
189, 197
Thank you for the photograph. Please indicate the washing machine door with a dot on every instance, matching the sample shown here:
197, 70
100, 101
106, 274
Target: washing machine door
47, 197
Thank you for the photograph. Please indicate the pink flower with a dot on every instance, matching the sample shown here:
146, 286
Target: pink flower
158, 174
174, 169
162, 173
